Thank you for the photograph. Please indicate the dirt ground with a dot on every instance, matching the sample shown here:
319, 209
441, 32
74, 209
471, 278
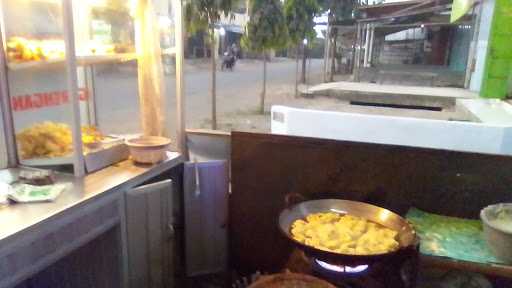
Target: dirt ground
250, 120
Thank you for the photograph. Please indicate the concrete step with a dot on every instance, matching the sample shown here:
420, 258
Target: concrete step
434, 97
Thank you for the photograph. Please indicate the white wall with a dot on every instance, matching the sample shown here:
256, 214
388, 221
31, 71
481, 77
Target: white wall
415, 132
481, 45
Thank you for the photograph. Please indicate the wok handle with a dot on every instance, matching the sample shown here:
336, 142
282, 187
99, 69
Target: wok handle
291, 199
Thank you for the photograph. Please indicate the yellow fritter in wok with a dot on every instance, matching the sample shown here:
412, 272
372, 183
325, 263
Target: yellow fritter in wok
345, 234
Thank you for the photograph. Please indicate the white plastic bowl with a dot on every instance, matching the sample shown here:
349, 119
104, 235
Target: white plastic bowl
148, 149
498, 235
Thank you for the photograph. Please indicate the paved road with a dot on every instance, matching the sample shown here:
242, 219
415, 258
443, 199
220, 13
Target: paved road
238, 90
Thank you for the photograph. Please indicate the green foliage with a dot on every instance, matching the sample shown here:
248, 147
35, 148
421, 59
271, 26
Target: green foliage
267, 26
117, 14
300, 16
194, 21
202, 15
340, 11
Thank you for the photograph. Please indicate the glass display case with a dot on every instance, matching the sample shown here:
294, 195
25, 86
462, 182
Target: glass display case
78, 72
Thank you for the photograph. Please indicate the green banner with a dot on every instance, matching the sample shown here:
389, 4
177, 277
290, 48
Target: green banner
460, 8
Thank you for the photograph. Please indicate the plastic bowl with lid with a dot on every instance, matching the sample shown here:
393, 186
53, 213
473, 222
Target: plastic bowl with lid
497, 224
148, 149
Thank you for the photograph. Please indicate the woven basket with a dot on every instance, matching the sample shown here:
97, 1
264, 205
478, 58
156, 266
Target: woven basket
290, 280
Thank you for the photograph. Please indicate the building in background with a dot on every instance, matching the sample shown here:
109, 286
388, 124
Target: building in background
234, 26
443, 43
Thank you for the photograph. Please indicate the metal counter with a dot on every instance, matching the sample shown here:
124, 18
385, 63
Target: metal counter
16, 218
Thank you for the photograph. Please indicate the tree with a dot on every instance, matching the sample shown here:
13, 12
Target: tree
340, 12
202, 16
265, 31
117, 14
300, 16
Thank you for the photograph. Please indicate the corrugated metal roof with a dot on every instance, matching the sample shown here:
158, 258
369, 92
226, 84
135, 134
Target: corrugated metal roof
403, 12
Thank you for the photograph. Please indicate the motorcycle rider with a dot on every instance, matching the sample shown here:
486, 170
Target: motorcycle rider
230, 57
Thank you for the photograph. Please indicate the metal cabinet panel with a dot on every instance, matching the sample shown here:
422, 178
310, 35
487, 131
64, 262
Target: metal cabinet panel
206, 187
149, 235
33, 251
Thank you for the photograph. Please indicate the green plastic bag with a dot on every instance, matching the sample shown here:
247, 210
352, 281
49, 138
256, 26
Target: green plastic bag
456, 238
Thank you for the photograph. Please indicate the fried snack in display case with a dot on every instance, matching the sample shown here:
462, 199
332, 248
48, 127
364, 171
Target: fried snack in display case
91, 136
45, 140
102, 29
74, 69
49, 144
50, 139
20, 49
45, 108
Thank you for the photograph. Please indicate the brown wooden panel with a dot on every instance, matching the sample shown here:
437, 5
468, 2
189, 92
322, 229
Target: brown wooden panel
266, 167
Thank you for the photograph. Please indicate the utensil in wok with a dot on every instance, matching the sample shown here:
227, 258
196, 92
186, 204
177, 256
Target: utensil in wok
406, 238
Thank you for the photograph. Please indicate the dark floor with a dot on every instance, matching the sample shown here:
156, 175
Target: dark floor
217, 281
431, 278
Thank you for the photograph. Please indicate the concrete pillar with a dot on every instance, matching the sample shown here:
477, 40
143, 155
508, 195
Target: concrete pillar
358, 53
370, 49
366, 45
475, 26
481, 46
327, 50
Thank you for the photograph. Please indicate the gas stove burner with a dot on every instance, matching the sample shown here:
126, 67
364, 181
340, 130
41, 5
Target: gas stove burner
345, 276
359, 269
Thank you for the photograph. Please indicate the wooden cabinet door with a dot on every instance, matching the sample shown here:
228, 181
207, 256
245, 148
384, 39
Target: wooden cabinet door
150, 235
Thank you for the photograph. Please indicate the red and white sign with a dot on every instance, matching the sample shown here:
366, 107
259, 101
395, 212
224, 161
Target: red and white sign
44, 99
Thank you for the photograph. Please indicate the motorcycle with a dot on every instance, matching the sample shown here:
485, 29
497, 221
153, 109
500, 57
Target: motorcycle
228, 61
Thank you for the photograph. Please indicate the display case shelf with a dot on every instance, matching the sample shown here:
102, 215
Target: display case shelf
81, 61
45, 162
169, 51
